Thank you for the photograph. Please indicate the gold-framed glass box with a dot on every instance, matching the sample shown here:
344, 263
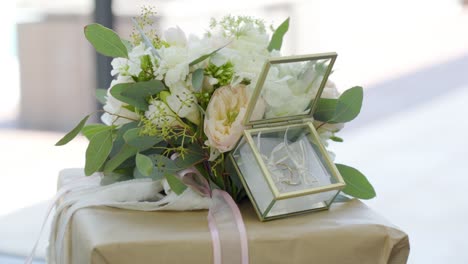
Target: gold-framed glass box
280, 159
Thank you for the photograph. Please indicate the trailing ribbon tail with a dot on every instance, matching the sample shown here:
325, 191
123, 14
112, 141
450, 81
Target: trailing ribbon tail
227, 229
228, 233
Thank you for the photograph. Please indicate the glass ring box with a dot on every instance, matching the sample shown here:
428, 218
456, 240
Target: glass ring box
280, 159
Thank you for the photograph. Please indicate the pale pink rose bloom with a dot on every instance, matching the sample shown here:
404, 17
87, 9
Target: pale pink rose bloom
224, 116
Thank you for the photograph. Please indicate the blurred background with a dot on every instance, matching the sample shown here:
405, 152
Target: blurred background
411, 56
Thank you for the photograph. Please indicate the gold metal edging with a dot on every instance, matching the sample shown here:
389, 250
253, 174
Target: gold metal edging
258, 157
247, 188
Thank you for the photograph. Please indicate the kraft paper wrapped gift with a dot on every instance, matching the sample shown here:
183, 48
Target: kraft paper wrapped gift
347, 233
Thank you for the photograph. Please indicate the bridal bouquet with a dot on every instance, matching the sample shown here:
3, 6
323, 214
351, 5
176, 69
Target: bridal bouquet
178, 101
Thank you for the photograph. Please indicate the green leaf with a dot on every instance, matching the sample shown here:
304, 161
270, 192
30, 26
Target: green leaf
175, 183
277, 38
98, 150
90, 130
124, 153
133, 138
137, 94
197, 79
349, 105
119, 140
144, 164
325, 110
206, 56
194, 156
73, 133
105, 41
336, 139
357, 184
101, 95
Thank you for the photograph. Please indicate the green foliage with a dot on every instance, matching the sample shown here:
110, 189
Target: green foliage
98, 150
137, 94
349, 105
90, 130
101, 95
341, 110
223, 73
135, 138
125, 152
73, 133
105, 41
197, 79
357, 184
144, 164
277, 38
175, 183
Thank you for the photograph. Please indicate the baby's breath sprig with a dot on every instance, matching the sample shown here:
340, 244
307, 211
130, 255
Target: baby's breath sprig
145, 22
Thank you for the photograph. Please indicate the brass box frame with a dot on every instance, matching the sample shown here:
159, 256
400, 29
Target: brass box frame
282, 123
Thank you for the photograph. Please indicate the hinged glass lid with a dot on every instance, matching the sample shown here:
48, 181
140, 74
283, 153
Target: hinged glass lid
288, 88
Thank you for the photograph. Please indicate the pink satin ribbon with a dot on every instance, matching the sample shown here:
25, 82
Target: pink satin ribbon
227, 229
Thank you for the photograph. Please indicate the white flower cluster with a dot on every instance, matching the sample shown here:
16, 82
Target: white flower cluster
246, 51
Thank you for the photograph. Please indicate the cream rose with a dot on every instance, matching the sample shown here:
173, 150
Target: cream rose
224, 116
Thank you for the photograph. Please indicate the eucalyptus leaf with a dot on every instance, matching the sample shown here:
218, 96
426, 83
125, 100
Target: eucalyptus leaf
105, 41
124, 153
98, 150
277, 38
176, 184
90, 130
357, 184
137, 94
197, 79
73, 133
164, 164
349, 105
325, 110
132, 137
144, 164
194, 156
101, 95
119, 140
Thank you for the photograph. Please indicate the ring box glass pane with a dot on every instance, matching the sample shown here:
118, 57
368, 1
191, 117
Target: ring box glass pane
280, 159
